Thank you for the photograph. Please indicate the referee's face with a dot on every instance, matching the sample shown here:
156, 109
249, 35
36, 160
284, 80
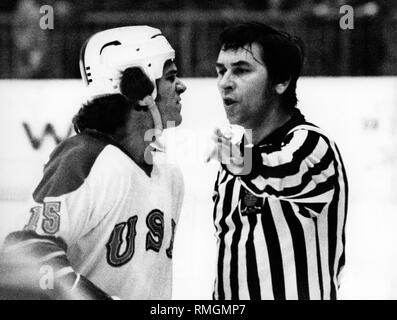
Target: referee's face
243, 83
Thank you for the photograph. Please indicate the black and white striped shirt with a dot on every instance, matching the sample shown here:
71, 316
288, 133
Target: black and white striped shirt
281, 229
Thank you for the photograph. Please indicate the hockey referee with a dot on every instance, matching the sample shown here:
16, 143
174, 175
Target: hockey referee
280, 227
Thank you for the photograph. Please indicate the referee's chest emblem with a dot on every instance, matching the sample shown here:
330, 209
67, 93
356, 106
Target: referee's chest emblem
250, 204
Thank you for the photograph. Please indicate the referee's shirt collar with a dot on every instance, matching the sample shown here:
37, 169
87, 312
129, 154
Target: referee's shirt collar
278, 135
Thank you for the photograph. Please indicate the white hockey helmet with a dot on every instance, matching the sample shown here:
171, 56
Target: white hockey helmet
106, 54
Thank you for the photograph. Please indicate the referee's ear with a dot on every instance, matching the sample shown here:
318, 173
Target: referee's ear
281, 87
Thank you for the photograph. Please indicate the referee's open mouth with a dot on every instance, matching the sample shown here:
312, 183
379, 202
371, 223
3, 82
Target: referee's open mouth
229, 102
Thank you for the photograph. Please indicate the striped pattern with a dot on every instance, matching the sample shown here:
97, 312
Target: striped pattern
293, 246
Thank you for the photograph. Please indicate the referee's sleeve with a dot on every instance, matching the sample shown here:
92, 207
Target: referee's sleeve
302, 169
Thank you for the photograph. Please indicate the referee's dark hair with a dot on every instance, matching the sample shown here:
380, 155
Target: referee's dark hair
110, 112
282, 53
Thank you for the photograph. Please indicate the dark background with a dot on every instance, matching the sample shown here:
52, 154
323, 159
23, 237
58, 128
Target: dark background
192, 27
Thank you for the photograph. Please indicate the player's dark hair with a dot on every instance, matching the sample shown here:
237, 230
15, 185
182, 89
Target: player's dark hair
109, 113
105, 114
282, 54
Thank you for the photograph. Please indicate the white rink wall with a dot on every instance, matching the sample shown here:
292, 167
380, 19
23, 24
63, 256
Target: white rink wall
360, 113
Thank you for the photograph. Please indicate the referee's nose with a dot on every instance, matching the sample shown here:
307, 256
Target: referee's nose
226, 82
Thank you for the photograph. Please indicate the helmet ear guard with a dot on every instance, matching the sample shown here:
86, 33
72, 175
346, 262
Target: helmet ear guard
106, 55
137, 87
135, 84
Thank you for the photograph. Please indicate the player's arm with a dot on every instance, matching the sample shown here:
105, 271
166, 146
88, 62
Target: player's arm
36, 267
34, 262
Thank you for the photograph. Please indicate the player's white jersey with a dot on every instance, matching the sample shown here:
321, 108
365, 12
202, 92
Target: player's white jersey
117, 221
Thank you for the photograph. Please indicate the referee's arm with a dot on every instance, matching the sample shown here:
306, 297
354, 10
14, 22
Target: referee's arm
302, 169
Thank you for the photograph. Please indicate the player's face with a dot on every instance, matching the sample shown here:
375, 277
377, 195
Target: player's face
243, 83
169, 90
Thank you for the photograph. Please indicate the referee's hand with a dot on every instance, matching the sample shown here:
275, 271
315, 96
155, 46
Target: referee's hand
226, 150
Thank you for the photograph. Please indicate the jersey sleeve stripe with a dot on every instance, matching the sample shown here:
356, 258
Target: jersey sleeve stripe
76, 282
278, 158
226, 206
346, 192
252, 266
313, 189
332, 237
291, 167
64, 271
30, 237
299, 245
274, 251
234, 256
292, 185
320, 272
51, 256
21, 245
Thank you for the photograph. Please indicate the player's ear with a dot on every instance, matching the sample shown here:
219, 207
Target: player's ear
281, 87
146, 102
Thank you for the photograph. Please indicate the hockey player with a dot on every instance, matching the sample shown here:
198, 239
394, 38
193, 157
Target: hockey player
103, 218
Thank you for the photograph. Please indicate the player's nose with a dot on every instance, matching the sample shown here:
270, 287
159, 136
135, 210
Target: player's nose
180, 87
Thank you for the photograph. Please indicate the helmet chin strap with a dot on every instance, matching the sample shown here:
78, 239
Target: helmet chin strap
158, 124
